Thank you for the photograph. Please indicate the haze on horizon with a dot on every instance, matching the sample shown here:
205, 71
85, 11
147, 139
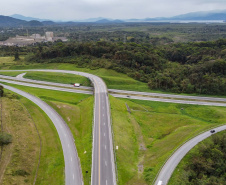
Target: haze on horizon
66, 10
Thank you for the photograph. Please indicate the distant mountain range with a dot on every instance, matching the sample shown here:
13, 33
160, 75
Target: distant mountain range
24, 18
19, 20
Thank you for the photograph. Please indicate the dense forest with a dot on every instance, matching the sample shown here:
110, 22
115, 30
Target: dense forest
207, 165
196, 67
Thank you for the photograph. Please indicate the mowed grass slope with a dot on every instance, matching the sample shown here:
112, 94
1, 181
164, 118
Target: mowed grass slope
58, 78
112, 79
77, 111
23, 154
148, 135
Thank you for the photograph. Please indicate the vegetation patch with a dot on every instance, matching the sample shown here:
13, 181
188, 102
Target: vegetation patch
58, 78
77, 111
19, 159
204, 164
152, 131
5, 139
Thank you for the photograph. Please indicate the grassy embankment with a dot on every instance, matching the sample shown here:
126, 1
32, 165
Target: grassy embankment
20, 158
77, 111
178, 172
148, 135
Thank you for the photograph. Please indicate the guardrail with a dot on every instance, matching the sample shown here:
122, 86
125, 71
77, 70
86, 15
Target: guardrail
153, 182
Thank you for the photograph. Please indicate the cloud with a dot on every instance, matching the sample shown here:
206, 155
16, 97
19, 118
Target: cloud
81, 9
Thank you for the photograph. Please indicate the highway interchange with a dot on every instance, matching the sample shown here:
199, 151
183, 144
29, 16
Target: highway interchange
103, 164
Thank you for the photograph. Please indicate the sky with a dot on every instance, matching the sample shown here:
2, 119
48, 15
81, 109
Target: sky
66, 10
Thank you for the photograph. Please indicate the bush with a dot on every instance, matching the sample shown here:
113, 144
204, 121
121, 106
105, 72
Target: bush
5, 139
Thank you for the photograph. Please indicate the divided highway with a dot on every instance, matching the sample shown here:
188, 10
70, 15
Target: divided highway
73, 174
170, 98
103, 165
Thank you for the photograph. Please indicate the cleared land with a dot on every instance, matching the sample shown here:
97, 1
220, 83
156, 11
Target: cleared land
20, 159
77, 111
148, 135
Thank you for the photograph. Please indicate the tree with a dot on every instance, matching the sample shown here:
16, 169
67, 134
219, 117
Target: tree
16, 56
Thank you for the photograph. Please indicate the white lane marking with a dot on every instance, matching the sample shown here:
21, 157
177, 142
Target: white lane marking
73, 176
105, 163
104, 123
71, 159
103, 115
106, 182
105, 147
104, 134
68, 145
65, 135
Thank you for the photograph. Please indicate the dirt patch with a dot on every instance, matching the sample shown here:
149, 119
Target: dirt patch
140, 168
142, 147
68, 119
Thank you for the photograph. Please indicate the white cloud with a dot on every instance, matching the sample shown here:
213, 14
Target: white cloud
81, 9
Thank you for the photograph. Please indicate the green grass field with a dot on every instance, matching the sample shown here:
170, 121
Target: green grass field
11, 73
24, 154
58, 78
71, 107
148, 135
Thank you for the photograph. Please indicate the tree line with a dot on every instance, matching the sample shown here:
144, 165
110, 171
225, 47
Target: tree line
195, 67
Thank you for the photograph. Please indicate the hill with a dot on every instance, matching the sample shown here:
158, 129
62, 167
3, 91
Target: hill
24, 18
195, 16
11, 22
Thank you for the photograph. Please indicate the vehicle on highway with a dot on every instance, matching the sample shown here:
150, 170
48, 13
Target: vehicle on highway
212, 131
76, 85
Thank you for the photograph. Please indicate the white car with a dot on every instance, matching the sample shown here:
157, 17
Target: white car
76, 85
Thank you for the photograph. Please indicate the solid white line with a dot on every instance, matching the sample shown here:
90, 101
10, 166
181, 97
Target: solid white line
106, 182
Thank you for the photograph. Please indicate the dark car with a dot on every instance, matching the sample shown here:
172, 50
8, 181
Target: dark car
212, 131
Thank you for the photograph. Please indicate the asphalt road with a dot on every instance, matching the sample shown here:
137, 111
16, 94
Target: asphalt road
174, 160
211, 101
73, 175
202, 98
103, 165
103, 169
171, 100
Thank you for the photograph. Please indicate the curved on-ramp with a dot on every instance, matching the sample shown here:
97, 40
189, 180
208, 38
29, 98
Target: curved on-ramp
73, 173
174, 160
103, 164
